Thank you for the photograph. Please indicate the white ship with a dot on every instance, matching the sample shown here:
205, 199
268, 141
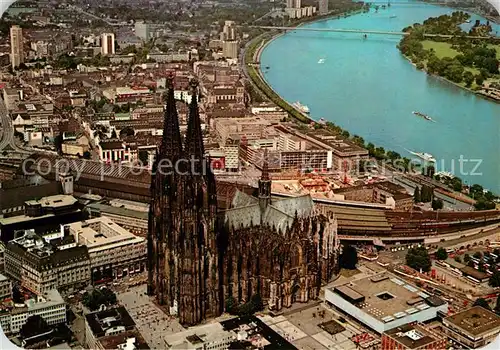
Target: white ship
425, 156
302, 108
321, 60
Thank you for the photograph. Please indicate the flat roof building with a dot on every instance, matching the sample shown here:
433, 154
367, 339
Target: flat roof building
413, 337
45, 214
114, 252
383, 302
473, 328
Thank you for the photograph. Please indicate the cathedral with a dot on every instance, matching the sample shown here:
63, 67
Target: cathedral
280, 249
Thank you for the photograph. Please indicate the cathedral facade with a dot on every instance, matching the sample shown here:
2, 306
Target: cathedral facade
184, 268
198, 256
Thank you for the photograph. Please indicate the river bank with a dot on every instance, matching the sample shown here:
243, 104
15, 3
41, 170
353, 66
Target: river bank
440, 78
295, 75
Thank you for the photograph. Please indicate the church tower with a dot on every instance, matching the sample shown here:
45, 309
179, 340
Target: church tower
265, 184
184, 272
164, 210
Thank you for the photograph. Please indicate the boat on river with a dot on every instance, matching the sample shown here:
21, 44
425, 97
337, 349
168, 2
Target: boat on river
425, 156
302, 108
393, 16
321, 61
425, 116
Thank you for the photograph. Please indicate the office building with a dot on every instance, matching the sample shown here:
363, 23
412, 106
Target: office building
107, 44
323, 7
143, 30
16, 46
135, 221
50, 306
114, 252
230, 49
472, 328
413, 337
228, 31
294, 4
44, 215
383, 302
41, 266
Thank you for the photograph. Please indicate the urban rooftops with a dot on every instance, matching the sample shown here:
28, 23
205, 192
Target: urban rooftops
474, 322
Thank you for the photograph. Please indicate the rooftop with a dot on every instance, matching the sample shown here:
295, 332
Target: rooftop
101, 321
474, 321
42, 254
56, 201
102, 233
386, 297
109, 209
413, 336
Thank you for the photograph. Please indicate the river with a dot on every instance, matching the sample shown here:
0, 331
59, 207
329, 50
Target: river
369, 89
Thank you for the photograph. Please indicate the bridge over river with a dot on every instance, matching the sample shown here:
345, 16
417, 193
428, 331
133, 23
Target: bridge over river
366, 31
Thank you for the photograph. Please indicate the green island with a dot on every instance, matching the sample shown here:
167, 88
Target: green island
469, 60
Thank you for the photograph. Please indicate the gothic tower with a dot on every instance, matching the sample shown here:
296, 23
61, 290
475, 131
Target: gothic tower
265, 184
184, 272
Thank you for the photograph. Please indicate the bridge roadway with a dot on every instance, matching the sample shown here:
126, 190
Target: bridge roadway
363, 31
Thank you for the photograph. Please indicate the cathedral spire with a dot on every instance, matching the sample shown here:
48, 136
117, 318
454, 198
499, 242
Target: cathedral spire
194, 138
265, 184
171, 145
265, 168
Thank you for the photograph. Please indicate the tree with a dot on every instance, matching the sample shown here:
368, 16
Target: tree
418, 258
98, 297
58, 140
482, 302
257, 303
478, 255
468, 78
479, 80
87, 155
471, 263
17, 296
441, 254
231, 306
113, 134
348, 258
466, 258
437, 204
128, 131
457, 259
34, 325
494, 280
497, 305
480, 267
416, 195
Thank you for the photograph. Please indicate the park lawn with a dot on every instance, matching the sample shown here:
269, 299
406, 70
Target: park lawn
441, 49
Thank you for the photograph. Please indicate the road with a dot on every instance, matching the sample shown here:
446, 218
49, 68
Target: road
8, 140
7, 130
